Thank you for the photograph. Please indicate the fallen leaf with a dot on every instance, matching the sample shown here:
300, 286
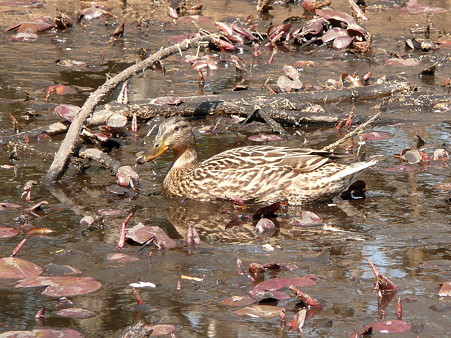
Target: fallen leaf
76, 313
389, 326
61, 286
13, 267
260, 311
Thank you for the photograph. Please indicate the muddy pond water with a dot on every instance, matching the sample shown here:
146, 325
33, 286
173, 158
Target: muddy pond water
402, 226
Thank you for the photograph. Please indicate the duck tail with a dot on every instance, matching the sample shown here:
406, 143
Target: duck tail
354, 168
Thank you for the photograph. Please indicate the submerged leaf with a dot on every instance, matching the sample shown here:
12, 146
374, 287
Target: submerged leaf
13, 267
260, 311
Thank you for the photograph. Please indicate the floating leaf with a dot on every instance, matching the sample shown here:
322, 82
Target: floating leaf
307, 218
162, 329
60, 270
374, 136
264, 138
13, 267
445, 290
142, 234
260, 311
121, 258
414, 7
6, 205
264, 225
6, 232
169, 100
402, 62
238, 301
76, 313
62, 286
389, 326
66, 333
126, 176
279, 283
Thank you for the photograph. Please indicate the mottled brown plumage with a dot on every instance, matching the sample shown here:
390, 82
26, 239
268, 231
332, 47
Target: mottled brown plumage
253, 173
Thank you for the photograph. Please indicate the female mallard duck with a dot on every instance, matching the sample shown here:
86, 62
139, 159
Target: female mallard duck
253, 173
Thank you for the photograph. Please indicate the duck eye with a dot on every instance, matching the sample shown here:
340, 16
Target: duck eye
176, 128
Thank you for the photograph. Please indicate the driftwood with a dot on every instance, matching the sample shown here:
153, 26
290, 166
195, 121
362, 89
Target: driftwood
290, 108
62, 157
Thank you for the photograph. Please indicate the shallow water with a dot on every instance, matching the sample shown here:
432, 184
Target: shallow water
402, 226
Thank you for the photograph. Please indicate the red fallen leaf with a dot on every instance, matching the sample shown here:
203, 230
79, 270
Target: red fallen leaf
414, 7
194, 19
268, 211
357, 11
24, 37
307, 218
399, 310
342, 42
389, 326
412, 156
67, 111
445, 290
192, 237
329, 13
65, 333
161, 329
334, 33
260, 311
61, 90
255, 268
94, 12
238, 301
76, 313
285, 84
126, 176
6, 205
173, 13
305, 298
169, 100
228, 32
142, 234
6, 232
237, 202
374, 136
400, 169
62, 286
382, 282
264, 138
223, 45
402, 62
279, 283
36, 206
264, 225
111, 213
440, 155
243, 31
13, 267
121, 258
311, 5
61, 270
304, 64
298, 321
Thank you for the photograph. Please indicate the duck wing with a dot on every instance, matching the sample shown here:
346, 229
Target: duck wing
255, 171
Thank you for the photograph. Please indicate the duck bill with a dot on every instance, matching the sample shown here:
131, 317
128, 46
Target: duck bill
159, 149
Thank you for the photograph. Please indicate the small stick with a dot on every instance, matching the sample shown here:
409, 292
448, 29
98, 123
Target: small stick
356, 131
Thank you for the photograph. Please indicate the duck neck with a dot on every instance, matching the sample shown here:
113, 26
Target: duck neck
185, 158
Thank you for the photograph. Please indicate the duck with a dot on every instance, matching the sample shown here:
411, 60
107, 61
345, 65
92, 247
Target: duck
254, 174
